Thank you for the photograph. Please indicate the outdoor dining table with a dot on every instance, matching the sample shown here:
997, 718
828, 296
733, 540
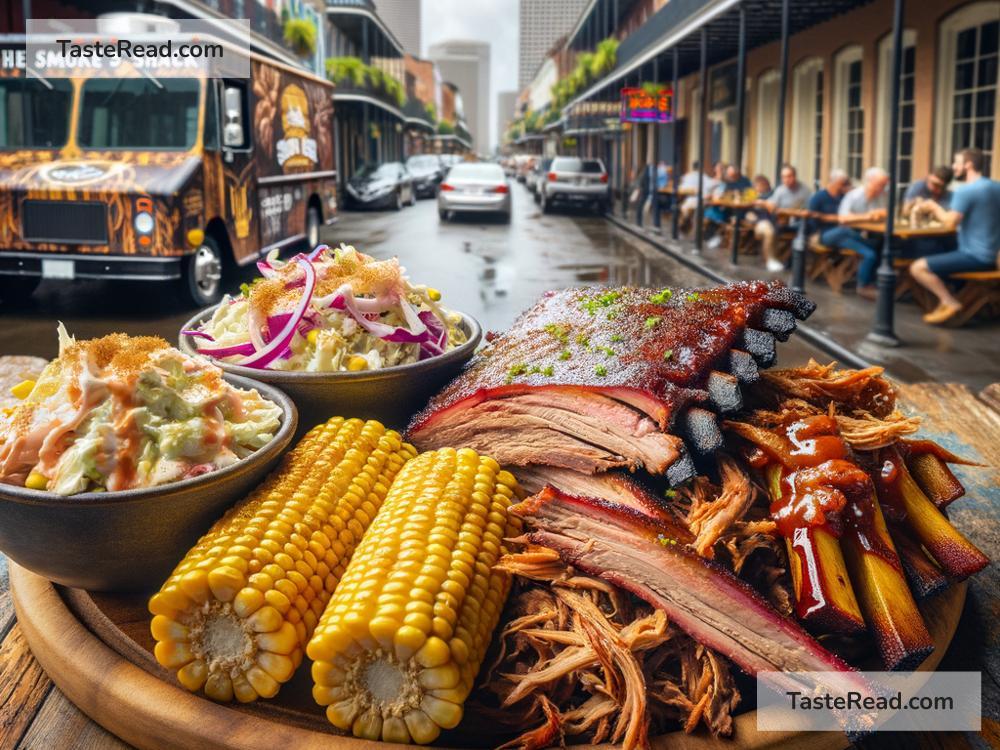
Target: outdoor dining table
668, 189
903, 230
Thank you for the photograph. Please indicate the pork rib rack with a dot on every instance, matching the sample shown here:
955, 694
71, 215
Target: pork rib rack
600, 378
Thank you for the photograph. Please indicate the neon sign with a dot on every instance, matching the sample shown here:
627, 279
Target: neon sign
644, 105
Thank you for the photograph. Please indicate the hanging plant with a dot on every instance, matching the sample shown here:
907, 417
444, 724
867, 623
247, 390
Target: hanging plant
342, 70
300, 36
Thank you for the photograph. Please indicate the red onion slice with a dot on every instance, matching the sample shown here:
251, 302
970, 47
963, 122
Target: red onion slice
243, 350
198, 334
281, 341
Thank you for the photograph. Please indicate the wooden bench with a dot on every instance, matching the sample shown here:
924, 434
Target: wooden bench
980, 293
835, 265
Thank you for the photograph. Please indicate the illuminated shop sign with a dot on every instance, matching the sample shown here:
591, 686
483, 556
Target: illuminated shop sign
647, 105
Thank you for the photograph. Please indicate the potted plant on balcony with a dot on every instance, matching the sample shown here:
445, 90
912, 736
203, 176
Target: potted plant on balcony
300, 36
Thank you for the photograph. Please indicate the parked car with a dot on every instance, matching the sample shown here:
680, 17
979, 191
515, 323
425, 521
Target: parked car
474, 187
386, 185
571, 179
427, 171
536, 176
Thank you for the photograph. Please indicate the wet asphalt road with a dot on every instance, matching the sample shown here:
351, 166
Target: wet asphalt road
482, 266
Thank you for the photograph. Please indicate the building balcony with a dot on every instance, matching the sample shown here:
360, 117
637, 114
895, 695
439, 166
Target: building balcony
417, 115
367, 83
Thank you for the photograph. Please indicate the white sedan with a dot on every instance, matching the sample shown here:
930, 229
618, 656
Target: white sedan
474, 187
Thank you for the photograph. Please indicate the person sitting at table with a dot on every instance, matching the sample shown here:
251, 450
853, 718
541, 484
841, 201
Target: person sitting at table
824, 206
664, 178
762, 187
917, 205
689, 184
975, 213
933, 187
734, 183
864, 203
790, 194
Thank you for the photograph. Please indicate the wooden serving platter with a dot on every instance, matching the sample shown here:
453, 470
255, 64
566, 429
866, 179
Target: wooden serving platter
98, 651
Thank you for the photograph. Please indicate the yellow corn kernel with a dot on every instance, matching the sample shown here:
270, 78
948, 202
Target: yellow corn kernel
36, 481
236, 614
357, 363
22, 389
399, 644
433, 294
312, 336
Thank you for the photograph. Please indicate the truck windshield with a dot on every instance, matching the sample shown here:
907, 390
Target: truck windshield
34, 113
139, 113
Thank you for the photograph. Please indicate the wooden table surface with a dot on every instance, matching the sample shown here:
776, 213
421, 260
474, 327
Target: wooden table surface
35, 715
903, 231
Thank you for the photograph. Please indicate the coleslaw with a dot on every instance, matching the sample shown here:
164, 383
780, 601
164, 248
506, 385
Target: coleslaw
123, 412
332, 310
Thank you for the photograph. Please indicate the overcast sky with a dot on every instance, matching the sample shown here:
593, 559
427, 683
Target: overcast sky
493, 21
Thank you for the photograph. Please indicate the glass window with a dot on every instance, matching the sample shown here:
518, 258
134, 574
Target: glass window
855, 121
139, 113
34, 113
967, 71
974, 99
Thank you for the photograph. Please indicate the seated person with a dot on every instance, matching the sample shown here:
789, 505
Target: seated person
664, 179
824, 205
975, 212
789, 194
917, 203
933, 187
689, 183
864, 203
734, 182
762, 187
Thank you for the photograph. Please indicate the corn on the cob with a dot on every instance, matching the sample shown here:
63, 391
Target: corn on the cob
236, 614
398, 648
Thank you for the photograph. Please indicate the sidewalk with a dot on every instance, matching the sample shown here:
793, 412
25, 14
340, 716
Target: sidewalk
969, 355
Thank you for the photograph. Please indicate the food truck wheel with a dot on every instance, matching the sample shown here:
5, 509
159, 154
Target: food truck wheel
17, 289
201, 282
313, 223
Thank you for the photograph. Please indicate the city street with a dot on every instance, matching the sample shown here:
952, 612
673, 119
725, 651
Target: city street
484, 267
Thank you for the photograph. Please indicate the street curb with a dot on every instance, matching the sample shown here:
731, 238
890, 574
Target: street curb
817, 338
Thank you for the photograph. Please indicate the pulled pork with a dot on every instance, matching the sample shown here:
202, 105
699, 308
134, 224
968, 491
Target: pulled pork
581, 659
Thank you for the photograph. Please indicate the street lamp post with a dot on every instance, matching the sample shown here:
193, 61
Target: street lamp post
654, 171
780, 159
882, 332
799, 258
741, 63
675, 216
699, 237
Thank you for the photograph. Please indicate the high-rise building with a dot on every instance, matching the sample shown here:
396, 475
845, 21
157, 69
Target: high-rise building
403, 19
466, 63
541, 23
506, 102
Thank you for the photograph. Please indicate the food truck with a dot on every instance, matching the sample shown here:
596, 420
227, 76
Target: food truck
174, 179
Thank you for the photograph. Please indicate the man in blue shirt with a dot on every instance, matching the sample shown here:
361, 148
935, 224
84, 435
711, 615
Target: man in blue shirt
918, 203
975, 212
825, 204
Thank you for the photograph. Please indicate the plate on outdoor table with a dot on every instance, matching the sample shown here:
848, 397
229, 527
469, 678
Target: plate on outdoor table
97, 649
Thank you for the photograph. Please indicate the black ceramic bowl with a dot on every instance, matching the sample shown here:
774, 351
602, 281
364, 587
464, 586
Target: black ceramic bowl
391, 395
131, 540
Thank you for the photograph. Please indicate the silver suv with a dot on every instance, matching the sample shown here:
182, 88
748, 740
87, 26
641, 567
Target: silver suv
571, 179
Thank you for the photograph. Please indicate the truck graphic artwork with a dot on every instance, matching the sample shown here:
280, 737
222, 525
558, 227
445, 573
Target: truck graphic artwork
170, 179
